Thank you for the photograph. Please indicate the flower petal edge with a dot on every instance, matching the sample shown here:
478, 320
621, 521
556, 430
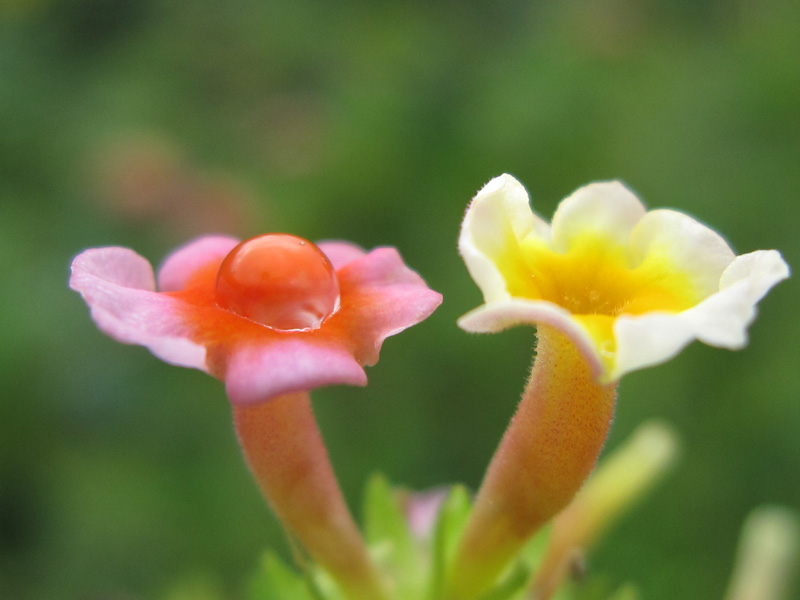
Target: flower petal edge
117, 285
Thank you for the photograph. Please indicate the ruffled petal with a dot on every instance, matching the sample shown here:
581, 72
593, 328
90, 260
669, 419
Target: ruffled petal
118, 284
259, 372
381, 297
630, 288
341, 253
647, 340
182, 264
756, 273
498, 218
185, 325
720, 320
500, 315
114, 265
689, 246
606, 210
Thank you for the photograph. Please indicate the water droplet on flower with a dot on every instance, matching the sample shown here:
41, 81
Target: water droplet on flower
279, 280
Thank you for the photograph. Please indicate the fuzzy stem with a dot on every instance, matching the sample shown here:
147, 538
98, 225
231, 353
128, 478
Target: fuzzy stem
619, 481
284, 449
548, 450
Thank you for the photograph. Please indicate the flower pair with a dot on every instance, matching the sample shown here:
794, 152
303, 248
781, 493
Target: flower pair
611, 288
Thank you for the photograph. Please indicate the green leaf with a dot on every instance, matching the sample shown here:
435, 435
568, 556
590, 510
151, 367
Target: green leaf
514, 584
391, 541
274, 580
626, 592
533, 551
511, 584
449, 526
384, 519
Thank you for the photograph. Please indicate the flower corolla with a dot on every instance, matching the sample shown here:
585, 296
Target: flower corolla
630, 287
271, 315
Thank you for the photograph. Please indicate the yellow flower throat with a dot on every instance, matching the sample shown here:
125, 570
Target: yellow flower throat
597, 280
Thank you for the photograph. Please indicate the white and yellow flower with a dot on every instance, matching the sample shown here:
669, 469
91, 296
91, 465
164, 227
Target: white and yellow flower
611, 288
630, 287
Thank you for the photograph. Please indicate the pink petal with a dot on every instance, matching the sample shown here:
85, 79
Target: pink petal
381, 267
388, 297
259, 372
341, 253
117, 285
422, 510
120, 266
179, 267
380, 296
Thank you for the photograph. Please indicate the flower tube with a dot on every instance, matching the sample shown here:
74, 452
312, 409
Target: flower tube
620, 480
273, 317
611, 288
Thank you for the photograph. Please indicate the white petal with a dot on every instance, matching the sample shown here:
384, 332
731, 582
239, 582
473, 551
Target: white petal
497, 316
499, 215
720, 320
761, 270
484, 273
689, 245
605, 209
646, 340
501, 203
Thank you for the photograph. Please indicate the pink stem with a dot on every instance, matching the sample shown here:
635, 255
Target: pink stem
284, 449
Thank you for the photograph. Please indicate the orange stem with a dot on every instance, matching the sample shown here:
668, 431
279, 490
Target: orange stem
284, 449
548, 450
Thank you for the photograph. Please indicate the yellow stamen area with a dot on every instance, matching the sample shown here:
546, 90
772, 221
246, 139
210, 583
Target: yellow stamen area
597, 280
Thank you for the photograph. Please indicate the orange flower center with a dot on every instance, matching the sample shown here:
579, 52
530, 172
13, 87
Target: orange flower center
279, 280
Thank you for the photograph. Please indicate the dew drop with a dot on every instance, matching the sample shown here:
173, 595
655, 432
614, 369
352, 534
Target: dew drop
279, 280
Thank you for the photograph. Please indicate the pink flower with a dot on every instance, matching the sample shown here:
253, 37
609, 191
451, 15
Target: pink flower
422, 510
272, 315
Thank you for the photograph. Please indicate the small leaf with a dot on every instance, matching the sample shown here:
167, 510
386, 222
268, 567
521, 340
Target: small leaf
390, 539
626, 592
449, 526
510, 584
384, 520
276, 581
533, 551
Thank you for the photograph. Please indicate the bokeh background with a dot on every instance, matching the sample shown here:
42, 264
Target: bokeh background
146, 122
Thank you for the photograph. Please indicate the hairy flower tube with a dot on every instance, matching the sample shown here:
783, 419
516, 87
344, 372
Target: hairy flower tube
619, 481
611, 288
273, 317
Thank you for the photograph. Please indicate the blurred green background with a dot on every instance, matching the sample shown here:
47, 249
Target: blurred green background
146, 122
